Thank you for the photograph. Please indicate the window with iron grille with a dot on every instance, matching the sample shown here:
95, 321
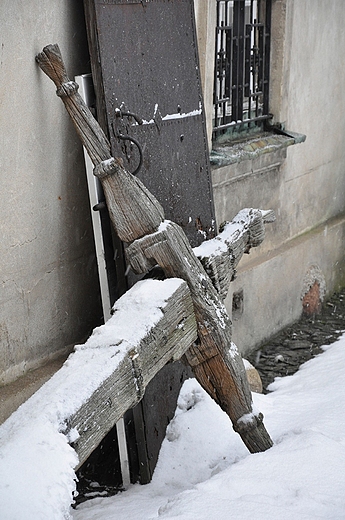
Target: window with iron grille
241, 79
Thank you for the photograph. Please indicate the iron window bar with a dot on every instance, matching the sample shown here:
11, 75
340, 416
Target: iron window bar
241, 77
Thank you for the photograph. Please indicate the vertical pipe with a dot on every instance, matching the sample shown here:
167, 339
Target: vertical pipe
235, 53
247, 66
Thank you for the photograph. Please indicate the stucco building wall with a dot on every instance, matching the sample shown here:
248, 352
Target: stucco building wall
49, 295
304, 184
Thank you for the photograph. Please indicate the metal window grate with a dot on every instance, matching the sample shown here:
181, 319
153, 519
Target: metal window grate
241, 78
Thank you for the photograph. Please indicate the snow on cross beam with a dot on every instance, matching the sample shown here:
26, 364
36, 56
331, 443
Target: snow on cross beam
221, 255
152, 324
139, 220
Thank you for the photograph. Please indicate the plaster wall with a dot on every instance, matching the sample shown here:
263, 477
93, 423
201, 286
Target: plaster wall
49, 296
313, 103
304, 184
205, 20
273, 284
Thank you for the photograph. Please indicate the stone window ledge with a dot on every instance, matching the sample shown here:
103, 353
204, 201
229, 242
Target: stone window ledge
227, 153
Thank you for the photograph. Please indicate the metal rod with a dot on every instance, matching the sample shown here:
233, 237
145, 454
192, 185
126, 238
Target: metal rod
242, 122
241, 79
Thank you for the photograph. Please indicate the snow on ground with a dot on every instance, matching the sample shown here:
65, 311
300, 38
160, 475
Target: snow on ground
37, 479
204, 471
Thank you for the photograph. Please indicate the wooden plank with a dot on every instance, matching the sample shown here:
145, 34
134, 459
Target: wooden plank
151, 348
151, 69
133, 210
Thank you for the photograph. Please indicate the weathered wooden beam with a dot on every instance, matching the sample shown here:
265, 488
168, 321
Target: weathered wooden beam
144, 337
138, 219
221, 255
215, 359
122, 190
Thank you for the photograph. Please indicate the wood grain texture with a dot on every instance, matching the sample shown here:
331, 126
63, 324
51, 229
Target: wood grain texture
138, 220
166, 341
221, 255
133, 210
215, 359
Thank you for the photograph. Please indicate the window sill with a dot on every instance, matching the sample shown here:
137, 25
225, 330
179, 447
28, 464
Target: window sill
227, 153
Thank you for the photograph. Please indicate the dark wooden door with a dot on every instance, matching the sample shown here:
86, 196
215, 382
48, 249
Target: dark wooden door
144, 61
146, 76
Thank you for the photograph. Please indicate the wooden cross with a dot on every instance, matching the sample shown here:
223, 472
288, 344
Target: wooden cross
138, 219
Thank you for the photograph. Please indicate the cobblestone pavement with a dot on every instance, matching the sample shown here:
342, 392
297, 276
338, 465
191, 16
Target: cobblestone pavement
283, 354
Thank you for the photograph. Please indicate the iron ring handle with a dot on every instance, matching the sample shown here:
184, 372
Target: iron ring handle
137, 144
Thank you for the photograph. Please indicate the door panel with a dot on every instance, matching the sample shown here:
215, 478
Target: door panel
144, 62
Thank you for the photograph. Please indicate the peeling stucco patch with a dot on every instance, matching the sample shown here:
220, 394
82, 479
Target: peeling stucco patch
313, 290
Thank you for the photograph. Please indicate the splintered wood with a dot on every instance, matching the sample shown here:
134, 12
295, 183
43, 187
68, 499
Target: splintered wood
138, 219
